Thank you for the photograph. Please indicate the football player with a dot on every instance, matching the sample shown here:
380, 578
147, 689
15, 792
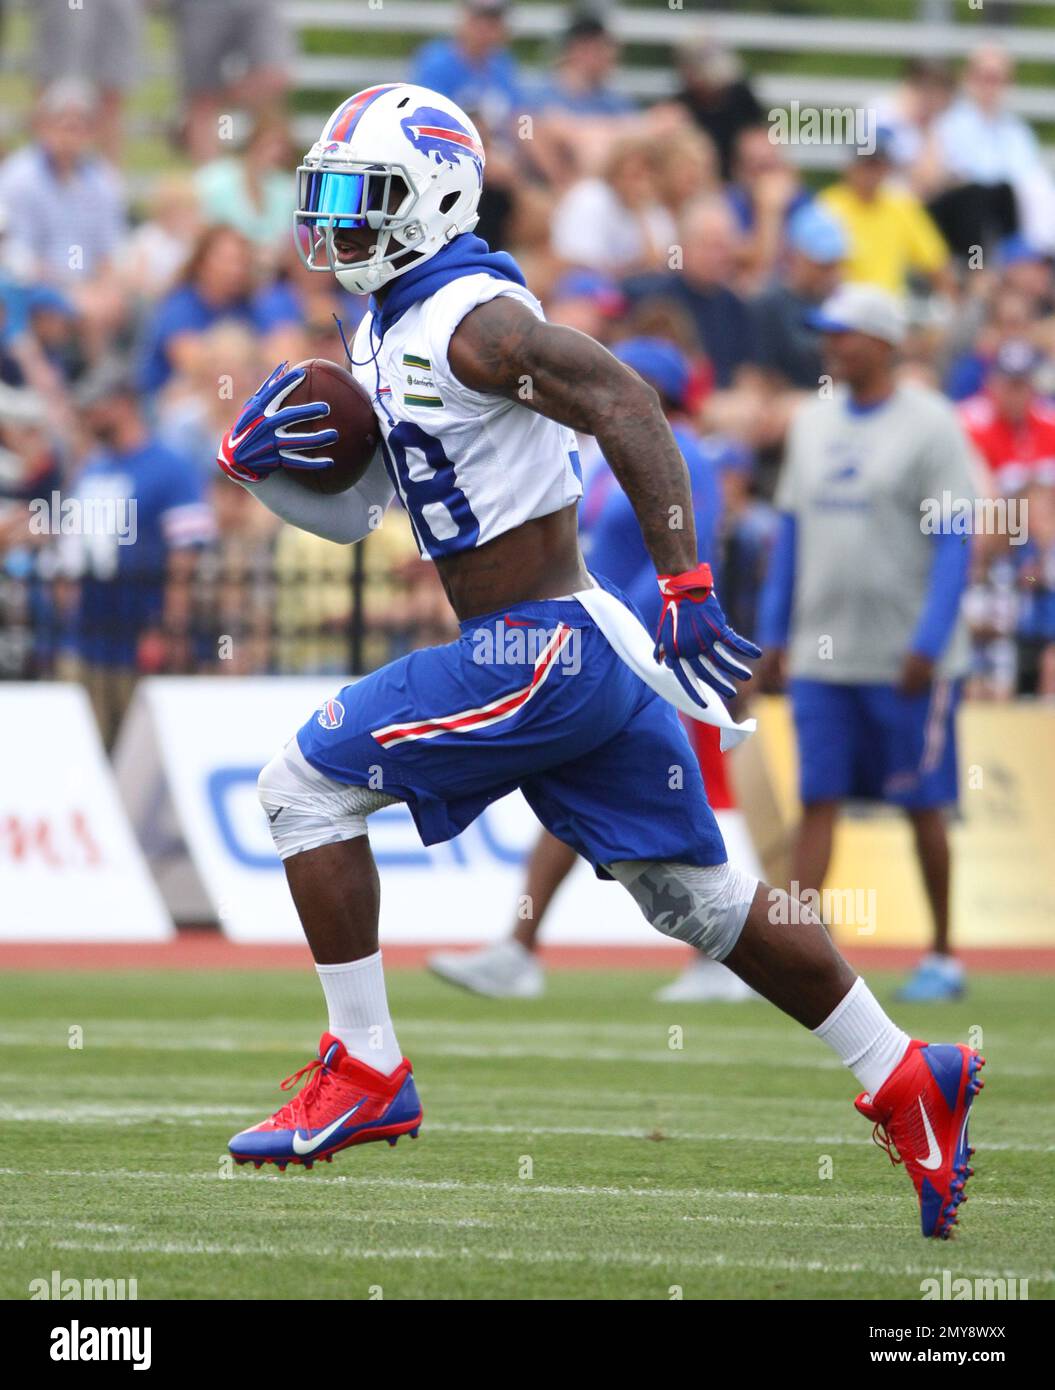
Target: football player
477, 399
509, 968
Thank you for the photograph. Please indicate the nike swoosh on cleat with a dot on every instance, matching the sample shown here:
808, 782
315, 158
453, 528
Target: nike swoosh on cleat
307, 1146
274, 815
933, 1159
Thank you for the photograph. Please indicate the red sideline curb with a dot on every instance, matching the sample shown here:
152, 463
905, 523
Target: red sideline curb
204, 950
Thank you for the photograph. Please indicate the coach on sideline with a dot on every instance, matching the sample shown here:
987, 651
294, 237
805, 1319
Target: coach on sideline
861, 606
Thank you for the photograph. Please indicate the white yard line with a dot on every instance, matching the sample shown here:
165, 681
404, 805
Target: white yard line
246, 1030
126, 1115
632, 1258
518, 1189
54, 1223
699, 1055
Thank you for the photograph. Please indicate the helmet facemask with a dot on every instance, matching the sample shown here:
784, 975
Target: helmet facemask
349, 195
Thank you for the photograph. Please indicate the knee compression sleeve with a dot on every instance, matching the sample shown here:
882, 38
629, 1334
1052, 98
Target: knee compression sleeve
307, 809
706, 907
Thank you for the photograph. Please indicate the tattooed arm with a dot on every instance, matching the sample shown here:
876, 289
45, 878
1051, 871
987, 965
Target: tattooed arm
502, 348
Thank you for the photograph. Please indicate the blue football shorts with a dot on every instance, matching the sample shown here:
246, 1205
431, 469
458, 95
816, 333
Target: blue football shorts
871, 743
532, 697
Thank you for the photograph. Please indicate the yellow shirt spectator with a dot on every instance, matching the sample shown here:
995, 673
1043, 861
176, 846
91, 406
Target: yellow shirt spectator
891, 234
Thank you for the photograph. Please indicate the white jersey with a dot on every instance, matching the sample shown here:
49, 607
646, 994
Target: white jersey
467, 465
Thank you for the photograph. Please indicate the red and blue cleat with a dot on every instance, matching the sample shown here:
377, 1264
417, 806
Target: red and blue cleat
920, 1115
343, 1102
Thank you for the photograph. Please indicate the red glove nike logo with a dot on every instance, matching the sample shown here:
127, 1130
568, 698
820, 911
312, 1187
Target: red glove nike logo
225, 458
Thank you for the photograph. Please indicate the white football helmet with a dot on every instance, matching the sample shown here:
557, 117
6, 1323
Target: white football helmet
399, 159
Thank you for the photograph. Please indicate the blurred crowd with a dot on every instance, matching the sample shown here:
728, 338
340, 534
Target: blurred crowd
137, 314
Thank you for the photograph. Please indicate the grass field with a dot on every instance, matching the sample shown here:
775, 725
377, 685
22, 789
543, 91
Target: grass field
568, 1151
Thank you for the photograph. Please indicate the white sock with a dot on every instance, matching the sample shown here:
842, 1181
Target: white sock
358, 1005
863, 1037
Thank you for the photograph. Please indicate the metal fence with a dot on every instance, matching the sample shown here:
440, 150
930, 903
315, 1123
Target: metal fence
224, 609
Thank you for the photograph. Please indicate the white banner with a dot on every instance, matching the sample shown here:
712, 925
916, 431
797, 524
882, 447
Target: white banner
70, 868
203, 740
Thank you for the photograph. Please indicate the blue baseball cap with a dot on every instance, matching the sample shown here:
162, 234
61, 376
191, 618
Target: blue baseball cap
817, 235
589, 284
1013, 250
661, 364
882, 146
733, 457
43, 298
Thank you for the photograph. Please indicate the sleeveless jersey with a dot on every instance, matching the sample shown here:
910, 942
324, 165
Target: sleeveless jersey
468, 465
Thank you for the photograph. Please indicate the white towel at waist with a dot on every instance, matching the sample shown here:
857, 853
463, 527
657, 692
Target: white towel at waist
632, 643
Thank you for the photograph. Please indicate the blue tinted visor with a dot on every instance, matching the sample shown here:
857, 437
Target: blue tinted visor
332, 199
336, 195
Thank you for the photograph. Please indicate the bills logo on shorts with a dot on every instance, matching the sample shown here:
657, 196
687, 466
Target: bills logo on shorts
331, 714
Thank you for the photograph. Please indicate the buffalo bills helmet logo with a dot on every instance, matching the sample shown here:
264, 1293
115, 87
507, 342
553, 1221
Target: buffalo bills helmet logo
331, 714
439, 136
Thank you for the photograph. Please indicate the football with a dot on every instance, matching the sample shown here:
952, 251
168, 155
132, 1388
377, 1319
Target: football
351, 415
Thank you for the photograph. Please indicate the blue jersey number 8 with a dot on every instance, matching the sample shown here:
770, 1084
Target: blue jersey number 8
441, 488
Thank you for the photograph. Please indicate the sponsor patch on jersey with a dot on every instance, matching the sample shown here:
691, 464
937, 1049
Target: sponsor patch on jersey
419, 378
331, 714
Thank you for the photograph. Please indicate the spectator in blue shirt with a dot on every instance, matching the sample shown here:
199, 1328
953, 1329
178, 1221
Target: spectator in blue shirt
787, 345
1035, 566
133, 554
615, 546
766, 192
216, 285
474, 68
749, 528
579, 116
580, 84
64, 204
63, 208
